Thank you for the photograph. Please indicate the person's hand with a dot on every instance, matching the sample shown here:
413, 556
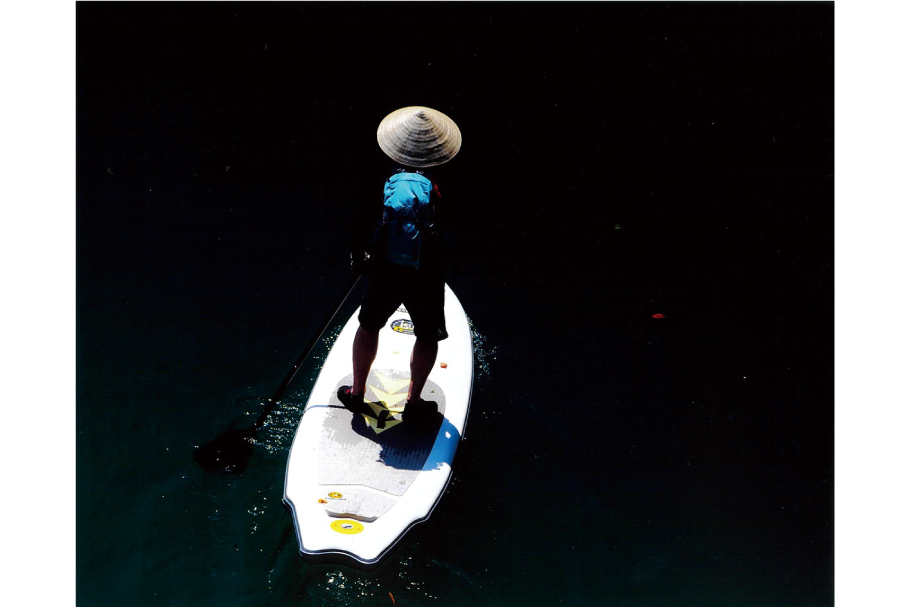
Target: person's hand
361, 265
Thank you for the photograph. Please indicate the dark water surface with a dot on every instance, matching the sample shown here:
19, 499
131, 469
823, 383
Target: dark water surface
619, 161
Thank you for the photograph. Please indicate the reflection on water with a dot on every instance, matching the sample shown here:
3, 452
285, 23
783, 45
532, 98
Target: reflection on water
483, 352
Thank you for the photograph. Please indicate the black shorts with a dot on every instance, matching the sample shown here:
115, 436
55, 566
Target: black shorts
421, 291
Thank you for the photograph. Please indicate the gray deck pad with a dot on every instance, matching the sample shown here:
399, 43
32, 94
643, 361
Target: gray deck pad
359, 504
352, 452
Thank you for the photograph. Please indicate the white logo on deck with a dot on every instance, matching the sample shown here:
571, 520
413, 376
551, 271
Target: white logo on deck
403, 326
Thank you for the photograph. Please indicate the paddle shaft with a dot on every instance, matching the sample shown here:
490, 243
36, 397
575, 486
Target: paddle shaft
273, 402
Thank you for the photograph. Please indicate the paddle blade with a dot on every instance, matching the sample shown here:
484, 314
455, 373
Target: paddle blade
229, 452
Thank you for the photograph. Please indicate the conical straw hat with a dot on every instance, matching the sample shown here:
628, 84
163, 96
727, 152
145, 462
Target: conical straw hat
418, 136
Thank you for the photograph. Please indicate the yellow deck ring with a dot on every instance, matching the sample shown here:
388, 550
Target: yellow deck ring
346, 526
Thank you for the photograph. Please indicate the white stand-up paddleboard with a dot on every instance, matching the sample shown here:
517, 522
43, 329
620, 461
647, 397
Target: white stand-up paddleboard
356, 483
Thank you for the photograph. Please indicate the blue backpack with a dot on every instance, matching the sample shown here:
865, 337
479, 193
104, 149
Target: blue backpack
407, 219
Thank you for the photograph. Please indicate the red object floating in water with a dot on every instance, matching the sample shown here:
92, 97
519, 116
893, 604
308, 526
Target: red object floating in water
658, 316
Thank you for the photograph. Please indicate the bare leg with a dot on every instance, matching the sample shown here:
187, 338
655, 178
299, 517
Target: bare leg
366, 343
423, 357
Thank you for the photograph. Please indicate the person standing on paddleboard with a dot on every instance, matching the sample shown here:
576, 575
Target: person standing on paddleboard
398, 247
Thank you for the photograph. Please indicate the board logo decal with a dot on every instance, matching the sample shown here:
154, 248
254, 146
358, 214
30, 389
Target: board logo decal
346, 526
403, 326
335, 495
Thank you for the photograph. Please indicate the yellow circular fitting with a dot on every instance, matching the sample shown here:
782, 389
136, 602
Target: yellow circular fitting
335, 495
347, 527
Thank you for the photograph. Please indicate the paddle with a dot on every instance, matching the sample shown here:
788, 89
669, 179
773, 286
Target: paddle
230, 451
